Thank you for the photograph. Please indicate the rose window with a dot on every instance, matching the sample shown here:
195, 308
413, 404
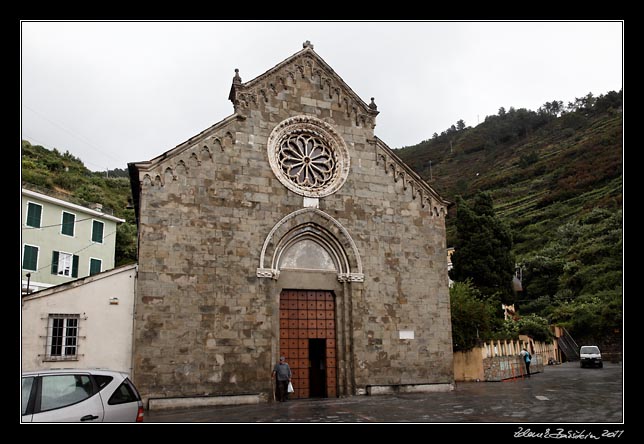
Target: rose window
308, 156
307, 161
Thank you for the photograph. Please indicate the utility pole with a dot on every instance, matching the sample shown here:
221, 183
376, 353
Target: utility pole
430, 170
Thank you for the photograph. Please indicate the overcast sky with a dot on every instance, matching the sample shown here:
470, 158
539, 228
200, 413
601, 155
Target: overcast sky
117, 92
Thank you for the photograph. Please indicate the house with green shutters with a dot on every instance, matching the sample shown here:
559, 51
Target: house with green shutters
62, 241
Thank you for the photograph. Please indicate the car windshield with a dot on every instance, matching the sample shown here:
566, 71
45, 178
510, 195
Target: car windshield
591, 349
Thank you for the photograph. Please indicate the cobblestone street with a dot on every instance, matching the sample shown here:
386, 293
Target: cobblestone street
561, 394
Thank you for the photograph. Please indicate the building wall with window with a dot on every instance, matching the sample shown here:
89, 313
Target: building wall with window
62, 241
84, 323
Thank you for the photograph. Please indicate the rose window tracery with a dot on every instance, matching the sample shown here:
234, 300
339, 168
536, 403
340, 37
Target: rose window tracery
307, 161
308, 156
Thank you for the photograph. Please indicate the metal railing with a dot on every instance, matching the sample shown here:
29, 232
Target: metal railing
568, 346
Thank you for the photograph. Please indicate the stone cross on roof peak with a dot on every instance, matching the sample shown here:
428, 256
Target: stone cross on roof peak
307, 44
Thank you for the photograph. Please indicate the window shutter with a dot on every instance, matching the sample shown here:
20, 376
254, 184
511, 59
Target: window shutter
54, 262
75, 266
94, 267
68, 224
33, 215
26, 257
30, 258
97, 231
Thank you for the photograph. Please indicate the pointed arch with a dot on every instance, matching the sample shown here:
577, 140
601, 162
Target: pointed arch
205, 153
168, 176
181, 168
146, 181
314, 225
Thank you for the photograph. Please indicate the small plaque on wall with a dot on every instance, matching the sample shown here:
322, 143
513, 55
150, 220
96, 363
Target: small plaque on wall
406, 334
311, 202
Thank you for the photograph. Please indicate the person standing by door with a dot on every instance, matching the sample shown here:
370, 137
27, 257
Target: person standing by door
282, 374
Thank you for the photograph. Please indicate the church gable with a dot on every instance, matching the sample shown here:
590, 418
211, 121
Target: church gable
302, 85
307, 75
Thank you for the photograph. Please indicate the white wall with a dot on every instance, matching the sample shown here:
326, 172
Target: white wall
105, 330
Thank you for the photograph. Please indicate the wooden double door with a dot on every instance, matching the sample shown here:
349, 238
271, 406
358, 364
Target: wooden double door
307, 340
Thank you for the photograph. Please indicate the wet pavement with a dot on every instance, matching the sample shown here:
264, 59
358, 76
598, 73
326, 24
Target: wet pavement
560, 394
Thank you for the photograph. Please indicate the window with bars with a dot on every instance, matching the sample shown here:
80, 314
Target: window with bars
97, 231
64, 264
69, 220
62, 337
34, 212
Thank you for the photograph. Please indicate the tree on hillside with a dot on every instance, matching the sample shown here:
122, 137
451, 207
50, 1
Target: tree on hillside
473, 319
553, 108
483, 249
125, 248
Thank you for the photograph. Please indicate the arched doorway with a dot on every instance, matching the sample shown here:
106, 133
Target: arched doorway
314, 269
307, 317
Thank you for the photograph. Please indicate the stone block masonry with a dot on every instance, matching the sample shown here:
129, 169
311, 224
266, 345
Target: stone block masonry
217, 216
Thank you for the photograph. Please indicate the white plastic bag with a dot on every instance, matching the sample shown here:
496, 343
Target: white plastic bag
290, 388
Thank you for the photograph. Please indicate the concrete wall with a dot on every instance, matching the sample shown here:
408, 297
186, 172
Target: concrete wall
468, 366
105, 329
206, 324
499, 360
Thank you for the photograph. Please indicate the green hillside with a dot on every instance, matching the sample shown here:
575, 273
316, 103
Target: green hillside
555, 175
65, 176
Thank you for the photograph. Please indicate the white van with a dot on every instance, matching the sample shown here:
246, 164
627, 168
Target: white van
590, 356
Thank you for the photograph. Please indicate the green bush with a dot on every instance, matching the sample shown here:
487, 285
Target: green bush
535, 326
472, 318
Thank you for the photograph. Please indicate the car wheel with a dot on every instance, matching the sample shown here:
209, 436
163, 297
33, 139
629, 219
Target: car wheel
601, 365
581, 365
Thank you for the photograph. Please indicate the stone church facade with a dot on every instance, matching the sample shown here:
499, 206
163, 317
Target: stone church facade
289, 228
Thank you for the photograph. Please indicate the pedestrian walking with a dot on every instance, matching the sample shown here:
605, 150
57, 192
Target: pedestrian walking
282, 374
527, 358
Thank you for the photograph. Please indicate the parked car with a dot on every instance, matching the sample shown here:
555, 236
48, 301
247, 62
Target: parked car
589, 355
80, 395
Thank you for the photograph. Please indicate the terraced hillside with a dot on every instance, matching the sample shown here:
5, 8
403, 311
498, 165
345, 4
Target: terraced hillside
557, 181
542, 171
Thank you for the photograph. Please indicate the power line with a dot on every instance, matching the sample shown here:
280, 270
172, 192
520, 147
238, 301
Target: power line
78, 251
85, 162
71, 133
55, 225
